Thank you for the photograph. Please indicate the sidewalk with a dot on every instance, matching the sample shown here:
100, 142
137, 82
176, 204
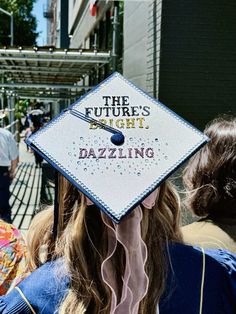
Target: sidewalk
25, 190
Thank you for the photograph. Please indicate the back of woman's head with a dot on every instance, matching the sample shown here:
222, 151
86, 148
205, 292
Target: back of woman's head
82, 241
210, 176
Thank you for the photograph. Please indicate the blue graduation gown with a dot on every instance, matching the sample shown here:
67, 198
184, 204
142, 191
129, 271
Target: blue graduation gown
46, 287
182, 294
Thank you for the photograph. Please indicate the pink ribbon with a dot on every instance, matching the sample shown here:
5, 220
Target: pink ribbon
135, 279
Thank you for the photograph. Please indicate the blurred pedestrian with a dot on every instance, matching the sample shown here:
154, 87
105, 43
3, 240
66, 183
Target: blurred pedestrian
210, 179
38, 158
28, 121
28, 132
8, 163
13, 257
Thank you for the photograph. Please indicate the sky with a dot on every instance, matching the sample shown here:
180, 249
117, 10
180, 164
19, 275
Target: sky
41, 21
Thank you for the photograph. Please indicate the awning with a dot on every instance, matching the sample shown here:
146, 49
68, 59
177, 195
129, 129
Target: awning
47, 72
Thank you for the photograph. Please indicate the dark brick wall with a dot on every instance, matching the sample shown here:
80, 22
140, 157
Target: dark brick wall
197, 77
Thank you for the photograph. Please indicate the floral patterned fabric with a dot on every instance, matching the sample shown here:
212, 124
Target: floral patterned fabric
13, 257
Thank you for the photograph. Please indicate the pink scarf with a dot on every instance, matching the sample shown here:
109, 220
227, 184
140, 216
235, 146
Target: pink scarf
135, 279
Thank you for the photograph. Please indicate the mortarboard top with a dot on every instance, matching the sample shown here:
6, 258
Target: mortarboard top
117, 163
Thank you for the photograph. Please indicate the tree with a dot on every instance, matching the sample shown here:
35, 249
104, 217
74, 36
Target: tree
24, 23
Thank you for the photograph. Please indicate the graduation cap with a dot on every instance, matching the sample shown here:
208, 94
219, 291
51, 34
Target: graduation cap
117, 144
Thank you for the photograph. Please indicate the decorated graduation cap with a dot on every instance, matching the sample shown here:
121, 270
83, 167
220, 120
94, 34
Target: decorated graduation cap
117, 144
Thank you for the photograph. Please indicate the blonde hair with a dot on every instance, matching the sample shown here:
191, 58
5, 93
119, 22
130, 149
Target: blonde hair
82, 240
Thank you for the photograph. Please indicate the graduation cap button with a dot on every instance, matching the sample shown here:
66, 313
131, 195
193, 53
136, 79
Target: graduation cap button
118, 139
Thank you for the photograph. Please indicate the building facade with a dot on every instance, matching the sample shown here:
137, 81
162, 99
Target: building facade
56, 13
98, 25
183, 53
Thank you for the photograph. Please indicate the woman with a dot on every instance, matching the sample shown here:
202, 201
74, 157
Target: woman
90, 267
210, 179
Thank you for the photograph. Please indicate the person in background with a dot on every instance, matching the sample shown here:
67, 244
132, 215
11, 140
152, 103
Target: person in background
28, 122
38, 158
13, 257
210, 180
137, 267
28, 132
8, 162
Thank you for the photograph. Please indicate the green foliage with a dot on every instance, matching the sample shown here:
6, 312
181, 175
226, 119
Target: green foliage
24, 23
21, 108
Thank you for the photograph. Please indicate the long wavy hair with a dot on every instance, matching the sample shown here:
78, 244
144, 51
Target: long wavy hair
82, 241
210, 176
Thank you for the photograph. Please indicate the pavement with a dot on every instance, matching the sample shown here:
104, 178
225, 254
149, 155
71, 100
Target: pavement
25, 189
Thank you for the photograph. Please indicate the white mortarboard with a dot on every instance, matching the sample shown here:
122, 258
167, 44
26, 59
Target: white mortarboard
116, 144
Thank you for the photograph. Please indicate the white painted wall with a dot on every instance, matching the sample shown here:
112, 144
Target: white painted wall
135, 41
74, 6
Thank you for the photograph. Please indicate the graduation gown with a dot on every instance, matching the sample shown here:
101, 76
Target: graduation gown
195, 280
